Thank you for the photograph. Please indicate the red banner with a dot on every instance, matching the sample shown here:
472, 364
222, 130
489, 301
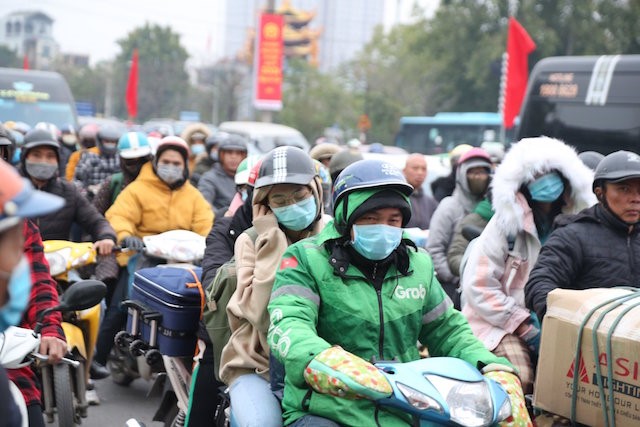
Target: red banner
132, 87
519, 46
267, 87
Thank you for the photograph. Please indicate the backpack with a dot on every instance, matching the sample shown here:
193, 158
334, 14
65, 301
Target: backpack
217, 297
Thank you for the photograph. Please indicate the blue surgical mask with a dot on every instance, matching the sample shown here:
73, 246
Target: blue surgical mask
547, 188
244, 194
376, 241
298, 216
19, 290
197, 149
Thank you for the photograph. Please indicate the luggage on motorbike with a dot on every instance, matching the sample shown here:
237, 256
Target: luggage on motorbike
215, 312
175, 294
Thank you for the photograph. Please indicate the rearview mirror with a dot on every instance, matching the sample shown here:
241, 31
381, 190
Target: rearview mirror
82, 295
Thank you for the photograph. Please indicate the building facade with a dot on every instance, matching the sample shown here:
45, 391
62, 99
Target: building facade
30, 35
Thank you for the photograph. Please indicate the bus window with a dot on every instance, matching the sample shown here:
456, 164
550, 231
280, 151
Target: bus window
591, 103
35, 96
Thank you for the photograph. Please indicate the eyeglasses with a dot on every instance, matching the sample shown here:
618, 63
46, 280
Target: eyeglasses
284, 200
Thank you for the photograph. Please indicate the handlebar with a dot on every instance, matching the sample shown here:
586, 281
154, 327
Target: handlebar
45, 359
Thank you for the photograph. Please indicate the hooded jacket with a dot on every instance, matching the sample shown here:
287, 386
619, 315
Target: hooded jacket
186, 135
218, 188
257, 262
444, 220
324, 296
148, 206
494, 276
593, 249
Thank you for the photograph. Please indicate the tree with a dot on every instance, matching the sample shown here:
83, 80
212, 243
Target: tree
163, 85
8, 58
88, 84
313, 101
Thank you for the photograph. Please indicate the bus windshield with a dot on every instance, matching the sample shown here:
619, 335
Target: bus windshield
57, 113
440, 133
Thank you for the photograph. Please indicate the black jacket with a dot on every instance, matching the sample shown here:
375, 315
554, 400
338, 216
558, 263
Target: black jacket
592, 249
57, 225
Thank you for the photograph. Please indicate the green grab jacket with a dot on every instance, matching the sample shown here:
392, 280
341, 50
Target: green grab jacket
312, 308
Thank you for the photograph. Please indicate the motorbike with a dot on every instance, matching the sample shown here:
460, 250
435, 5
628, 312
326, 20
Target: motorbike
135, 356
435, 391
81, 326
63, 384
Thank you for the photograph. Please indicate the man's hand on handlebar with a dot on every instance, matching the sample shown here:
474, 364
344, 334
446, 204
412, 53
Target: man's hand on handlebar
53, 347
133, 243
104, 246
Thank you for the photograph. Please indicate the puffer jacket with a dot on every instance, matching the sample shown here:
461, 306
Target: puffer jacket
444, 220
593, 249
257, 262
148, 206
218, 188
57, 226
319, 301
494, 276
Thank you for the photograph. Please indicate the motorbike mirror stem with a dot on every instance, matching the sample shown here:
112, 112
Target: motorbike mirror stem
41, 315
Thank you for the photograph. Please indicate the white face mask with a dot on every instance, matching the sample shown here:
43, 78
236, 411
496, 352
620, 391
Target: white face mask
170, 173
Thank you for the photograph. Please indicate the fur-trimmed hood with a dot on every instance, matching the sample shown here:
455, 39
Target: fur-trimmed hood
526, 159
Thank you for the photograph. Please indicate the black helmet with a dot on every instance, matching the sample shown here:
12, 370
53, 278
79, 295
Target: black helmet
233, 142
108, 133
286, 165
7, 140
341, 160
39, 138
616, 167
591, 159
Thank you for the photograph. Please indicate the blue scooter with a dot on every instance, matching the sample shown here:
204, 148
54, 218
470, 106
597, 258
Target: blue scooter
445, 391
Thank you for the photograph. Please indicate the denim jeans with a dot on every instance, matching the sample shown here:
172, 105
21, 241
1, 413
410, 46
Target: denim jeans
253, 404
313, 421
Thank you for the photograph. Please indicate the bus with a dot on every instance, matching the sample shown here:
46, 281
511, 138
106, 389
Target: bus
32, 96
440, 133
589, 102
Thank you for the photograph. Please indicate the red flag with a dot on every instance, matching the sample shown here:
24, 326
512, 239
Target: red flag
519, 46
25, 62
132, 86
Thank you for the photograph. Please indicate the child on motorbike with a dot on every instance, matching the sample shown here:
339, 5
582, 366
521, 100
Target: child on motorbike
361, 290
539, 179
19, 302
287, 207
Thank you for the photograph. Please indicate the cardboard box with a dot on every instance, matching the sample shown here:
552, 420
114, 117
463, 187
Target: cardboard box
554, 380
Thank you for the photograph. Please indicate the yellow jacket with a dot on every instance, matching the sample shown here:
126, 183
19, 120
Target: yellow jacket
148, 206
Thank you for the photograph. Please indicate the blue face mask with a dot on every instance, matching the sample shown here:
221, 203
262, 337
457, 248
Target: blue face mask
298, 216
376, 241
197, 149
19, 290
547, 188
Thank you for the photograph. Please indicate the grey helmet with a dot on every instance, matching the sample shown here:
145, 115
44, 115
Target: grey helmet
591, 159
341, 160
616, 167
286, 165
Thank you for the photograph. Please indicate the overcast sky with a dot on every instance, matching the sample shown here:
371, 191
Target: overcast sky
93, 26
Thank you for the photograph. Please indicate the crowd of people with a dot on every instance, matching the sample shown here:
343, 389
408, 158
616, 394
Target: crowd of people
320, 255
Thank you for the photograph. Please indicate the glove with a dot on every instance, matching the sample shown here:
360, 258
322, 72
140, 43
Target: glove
339, 373
132, 242
510, 382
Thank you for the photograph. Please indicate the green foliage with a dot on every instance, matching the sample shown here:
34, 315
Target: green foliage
163, 84
313, 101
87, 84
8, 58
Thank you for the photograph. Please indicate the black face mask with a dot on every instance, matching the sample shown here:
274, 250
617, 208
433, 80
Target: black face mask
88, 142
132, 167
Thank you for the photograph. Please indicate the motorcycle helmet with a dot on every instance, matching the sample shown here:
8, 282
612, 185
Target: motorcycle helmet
324, 151
232, 142
286, 165
7, 144
107, 135
174, 143
341, 160
244, 170
369, 175
38, 138
591, 159
616, 167
133, 145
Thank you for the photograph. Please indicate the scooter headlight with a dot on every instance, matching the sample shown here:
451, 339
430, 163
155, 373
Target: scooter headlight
419, 400
57, 261
469, 403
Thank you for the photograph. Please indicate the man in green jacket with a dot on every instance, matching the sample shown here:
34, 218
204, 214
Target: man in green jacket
361, 290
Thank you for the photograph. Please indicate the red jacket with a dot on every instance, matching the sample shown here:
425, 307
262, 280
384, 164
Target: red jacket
44, 294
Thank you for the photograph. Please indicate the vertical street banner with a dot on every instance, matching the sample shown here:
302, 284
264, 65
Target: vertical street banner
519, 46
131, 96
267, 67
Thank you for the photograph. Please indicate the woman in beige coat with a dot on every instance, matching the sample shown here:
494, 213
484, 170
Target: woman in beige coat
287, 207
